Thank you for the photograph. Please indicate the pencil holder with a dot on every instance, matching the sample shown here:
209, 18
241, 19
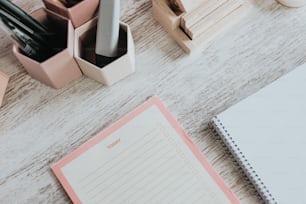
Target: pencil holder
84, 51
3, 84
78, 14
61, 68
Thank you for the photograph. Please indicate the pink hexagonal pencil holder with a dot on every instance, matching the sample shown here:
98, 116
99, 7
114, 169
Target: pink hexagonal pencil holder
61, 68
78, 14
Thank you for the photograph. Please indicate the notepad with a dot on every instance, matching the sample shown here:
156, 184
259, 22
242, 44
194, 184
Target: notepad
267, 135
145, 157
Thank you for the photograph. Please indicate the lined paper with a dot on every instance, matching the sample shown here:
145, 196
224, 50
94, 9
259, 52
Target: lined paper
145, 161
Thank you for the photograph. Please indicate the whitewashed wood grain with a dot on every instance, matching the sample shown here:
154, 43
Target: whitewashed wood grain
39, 125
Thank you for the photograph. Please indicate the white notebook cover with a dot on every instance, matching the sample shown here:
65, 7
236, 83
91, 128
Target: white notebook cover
267, 135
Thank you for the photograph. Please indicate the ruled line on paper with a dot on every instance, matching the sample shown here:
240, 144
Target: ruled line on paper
159, 176
93, 174
140, 182
177, 147
166, 187
123, 180
126, 162
151, 164
172, 181
126, 165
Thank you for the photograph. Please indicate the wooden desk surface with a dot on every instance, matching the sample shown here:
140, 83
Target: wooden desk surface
40, 125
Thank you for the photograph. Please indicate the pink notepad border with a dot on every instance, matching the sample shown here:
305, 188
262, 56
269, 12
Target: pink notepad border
154, 101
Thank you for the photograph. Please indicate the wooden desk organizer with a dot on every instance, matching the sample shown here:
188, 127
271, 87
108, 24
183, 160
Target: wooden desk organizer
3, 84
84, 52
293, 3
171, 22
60, 69
78, 14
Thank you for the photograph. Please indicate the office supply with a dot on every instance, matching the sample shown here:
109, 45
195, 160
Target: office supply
145, 157
266, 134
28, 41
293, 3
206, 15
51, 124
23, 17
84, 53
34, 39
192, 29
61, 68
185, 5
3, 84
107, 38
203, 10
79, 13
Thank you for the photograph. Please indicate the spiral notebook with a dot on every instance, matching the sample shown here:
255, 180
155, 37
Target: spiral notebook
266, 133
145, 157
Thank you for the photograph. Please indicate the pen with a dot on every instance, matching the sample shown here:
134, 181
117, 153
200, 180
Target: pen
107, 38
33, 38
30, 44
23, 17
25, 42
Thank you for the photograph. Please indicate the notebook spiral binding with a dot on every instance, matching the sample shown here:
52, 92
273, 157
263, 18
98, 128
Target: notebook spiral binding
243, 162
